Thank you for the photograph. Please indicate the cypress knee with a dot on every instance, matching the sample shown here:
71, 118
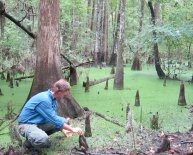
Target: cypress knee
127, 109
2, 76
17, 83
154, 121
113, 70
1, 94
88, 132
11, 83
137, 99
165, 145
164, 84
8, 77
83, 144
87, 84
182, 99
106, 86
128, 126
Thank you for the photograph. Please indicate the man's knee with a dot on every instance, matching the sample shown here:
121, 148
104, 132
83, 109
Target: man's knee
41, 142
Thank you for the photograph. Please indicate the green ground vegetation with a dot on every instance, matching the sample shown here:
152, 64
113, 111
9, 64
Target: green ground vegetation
154, 97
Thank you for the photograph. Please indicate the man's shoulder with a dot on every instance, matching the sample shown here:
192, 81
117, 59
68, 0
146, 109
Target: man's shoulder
42, 96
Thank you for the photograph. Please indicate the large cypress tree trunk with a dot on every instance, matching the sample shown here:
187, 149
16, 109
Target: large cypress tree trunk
48, 66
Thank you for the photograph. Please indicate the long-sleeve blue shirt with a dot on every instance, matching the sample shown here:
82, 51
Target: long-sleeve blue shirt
41, 108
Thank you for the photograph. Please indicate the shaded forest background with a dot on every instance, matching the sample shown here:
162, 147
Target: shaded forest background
89, 29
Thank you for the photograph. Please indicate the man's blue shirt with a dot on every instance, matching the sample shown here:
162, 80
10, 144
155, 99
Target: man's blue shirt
41, 108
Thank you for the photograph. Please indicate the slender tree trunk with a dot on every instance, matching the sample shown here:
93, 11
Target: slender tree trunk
157, 12
115, 17
141, 15
97, 50
158, 68
88, 46
2, 19
118, 82
189, 56
114, 54
105, 31
2, 24
89, 13
92, 18
48, 66
74, 25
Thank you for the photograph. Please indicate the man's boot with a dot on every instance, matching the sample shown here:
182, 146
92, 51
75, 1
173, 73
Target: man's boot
29, 149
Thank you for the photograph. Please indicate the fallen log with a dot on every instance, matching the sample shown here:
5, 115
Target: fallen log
185, 142
86, 109
94, 82
108, 119
68, 60
24, 77
81, 64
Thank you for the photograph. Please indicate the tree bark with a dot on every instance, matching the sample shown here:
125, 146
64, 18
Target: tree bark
48, 66
118, 82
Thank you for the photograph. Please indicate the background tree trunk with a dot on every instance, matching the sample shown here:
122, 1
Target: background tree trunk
136, 61
141, 15
2, 24
105, 31
48, 66
113, 57
158, 68
118, 82
97, 50
2, 20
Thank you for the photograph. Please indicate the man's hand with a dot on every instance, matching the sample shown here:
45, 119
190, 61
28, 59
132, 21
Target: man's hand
77, 130
67, 133
68, 120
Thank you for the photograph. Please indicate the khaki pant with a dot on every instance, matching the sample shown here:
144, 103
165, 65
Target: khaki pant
37, 135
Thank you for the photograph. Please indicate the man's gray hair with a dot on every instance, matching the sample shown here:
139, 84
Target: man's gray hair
62, 85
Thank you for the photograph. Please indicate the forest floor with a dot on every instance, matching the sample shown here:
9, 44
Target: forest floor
108, 138
140, 141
